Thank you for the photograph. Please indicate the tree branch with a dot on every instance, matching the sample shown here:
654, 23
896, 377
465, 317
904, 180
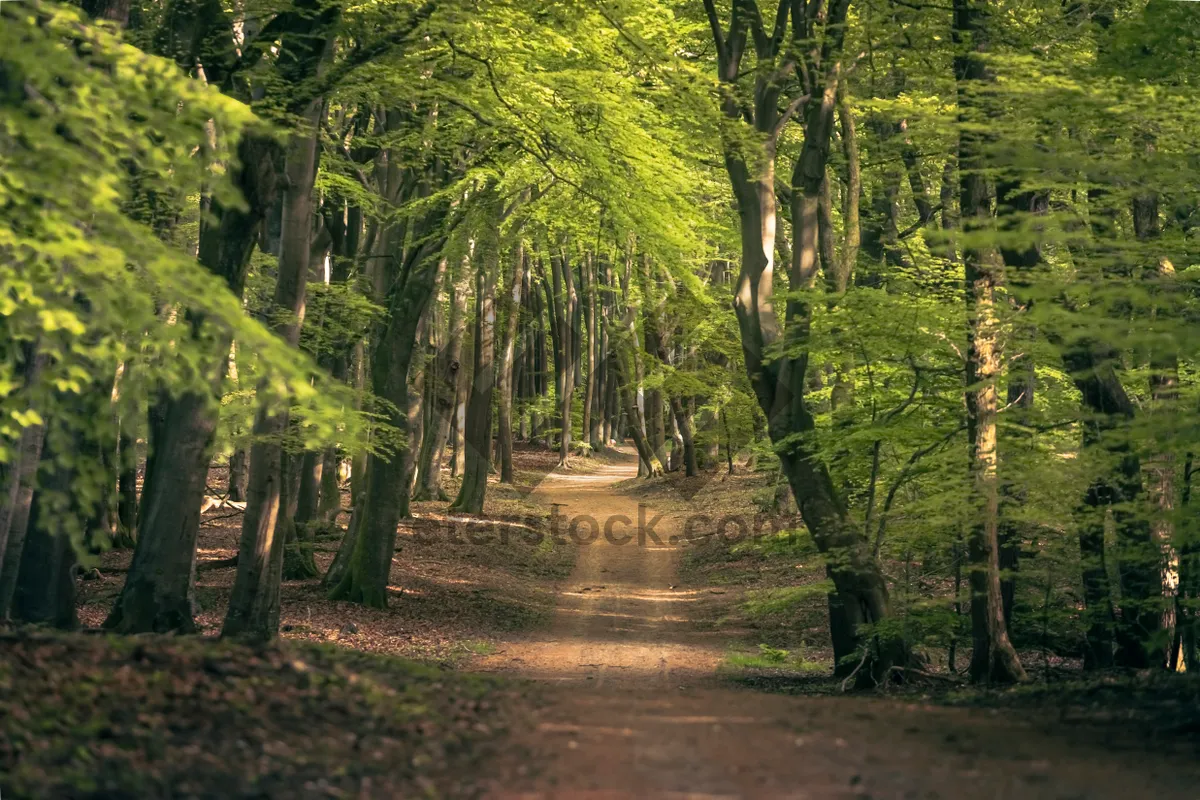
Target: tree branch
714, 23
891, 495
762, 44
786, 116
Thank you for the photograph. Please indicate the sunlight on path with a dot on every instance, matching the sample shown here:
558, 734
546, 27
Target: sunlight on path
619, 621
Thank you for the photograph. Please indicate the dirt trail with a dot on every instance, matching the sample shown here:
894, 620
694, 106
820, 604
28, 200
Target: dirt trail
634, 710
620, 621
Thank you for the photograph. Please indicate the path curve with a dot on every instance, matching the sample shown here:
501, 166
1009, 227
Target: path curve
633, 708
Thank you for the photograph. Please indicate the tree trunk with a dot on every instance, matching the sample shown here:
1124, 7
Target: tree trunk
993, 660
596, 369
330, 491
552, 289
1021, 387
239, 475
358, 464
587, 269
1164, 650
1188, 607
125, 535
253, 612
448, 375
45, 588
299, 560
512, 322
410, 283
1091, 365
478, 424
341, 560
459, 428
566, 299
655, 349
779, 383
651, 466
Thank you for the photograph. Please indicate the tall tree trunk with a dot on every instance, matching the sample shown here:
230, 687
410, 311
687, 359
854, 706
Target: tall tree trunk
993, 660
70, 508
478, 424
567, 300
552, 289
1188, 607
253, 612
652, 341
299, 559
512, 322
45, 588
587, 268
448, 375
125, 535
621, 372
655, 328
1014, 494
360, 367
596, 368
646, 455
779, 383
410, 282
1164, 650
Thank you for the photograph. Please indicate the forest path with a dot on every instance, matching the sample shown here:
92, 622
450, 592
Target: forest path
633, 707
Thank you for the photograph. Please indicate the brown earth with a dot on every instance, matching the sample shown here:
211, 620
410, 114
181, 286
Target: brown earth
633, 705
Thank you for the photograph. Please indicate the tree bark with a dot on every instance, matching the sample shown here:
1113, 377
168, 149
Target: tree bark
446, 382
587, 269
512, 322
410, 283
45, 588
596, 369
253, 612
564, 286
1164, 650
618, 366
239, 475
477, 427
993, 660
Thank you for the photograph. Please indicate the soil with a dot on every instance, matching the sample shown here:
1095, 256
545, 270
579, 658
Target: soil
634, 705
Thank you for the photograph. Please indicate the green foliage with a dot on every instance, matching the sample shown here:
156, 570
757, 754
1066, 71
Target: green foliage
771, 658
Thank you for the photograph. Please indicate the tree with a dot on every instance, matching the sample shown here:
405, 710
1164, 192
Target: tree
993, 658
779, 383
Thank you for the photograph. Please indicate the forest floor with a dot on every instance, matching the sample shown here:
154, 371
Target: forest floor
613, 668
459, 584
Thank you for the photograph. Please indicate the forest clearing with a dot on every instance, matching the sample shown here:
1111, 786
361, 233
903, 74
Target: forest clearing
599, 398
